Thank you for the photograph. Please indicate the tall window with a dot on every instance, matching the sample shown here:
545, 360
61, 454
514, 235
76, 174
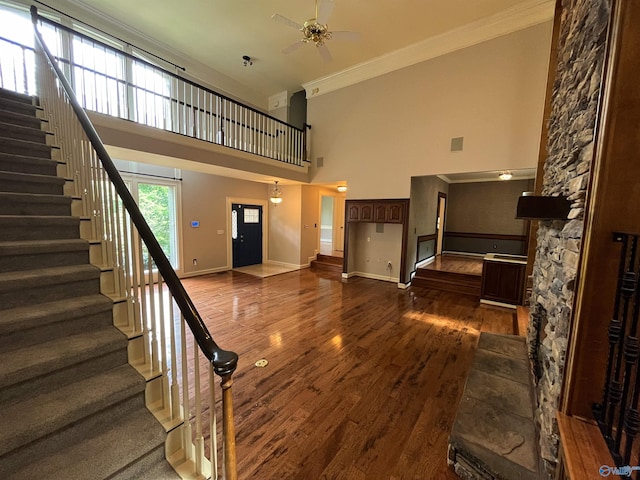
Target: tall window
158, 203
99, 77
17, 59
152, 96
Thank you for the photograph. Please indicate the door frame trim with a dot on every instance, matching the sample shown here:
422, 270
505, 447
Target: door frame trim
442, 197
265, 220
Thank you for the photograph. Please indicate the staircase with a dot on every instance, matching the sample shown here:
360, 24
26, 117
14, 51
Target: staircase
72, 407
328, 263
463, 283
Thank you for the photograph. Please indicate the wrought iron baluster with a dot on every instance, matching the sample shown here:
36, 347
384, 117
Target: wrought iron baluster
615, 328
632, 417
627, 348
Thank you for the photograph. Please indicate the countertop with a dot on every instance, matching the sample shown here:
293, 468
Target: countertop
505, 258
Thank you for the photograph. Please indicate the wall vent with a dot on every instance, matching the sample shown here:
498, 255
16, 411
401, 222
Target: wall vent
320, 162
456, 144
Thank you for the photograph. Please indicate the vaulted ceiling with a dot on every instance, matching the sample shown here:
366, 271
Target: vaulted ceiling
393, 33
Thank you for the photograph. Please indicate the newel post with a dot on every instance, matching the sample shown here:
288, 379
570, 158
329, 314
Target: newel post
228, 430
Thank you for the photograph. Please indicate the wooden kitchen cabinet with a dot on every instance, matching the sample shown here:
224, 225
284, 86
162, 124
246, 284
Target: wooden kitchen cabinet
359, 212
502, 281
378, 211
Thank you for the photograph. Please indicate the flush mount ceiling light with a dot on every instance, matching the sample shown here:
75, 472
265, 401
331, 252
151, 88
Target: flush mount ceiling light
276, 195
505, 175
342, 188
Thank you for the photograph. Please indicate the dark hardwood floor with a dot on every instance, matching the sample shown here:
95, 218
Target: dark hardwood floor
470, 265
363, 379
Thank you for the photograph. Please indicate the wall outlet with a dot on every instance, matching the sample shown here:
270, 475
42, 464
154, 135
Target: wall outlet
389, 267
195, 261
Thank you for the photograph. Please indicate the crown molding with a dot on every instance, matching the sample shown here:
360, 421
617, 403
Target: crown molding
519, 17
278, 100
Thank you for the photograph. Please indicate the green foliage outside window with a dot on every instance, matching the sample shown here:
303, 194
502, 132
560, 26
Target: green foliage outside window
154, 202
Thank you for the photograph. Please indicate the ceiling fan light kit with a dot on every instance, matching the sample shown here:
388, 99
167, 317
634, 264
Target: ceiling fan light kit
315, 30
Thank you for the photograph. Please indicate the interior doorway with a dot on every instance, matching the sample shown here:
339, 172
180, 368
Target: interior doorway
440, 218
331, 225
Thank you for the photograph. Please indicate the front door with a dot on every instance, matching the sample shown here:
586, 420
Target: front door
246, 234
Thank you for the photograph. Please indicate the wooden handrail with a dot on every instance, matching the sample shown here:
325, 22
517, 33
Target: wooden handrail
224, 362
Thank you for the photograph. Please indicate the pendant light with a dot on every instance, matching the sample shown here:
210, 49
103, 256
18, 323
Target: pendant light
276, 195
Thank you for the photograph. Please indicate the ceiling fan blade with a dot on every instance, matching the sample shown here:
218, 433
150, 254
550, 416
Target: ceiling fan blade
345, 35
286, 21
324, 11
325, 53
293, 47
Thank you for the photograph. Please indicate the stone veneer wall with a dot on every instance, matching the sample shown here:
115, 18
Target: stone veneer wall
570, 147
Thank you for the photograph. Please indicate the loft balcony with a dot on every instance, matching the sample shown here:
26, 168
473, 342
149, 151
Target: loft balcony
138, 106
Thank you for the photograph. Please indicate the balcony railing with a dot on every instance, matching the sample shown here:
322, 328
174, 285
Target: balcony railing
117, 83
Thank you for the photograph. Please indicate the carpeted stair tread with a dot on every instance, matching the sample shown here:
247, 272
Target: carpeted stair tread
22, 147
28, 419
32, 316
19, 118
34, 227
22, 247
18, 182
23, 132
34, 204
159, 471
10, 162
21, 365
106, 453
17, 105
17, 96
30, 254
46, 276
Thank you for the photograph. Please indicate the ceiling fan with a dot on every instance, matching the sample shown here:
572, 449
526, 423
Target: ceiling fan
316, 31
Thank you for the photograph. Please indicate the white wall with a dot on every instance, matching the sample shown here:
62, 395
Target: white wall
378, 134
370, 250
285, 220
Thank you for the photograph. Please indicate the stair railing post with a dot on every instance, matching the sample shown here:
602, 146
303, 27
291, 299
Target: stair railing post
228, 430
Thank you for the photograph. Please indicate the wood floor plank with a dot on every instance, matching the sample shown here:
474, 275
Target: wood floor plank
363, 379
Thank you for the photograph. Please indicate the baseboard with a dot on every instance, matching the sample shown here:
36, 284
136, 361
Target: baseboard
498, 304
288, 265
208, 271
371, 276
425, 262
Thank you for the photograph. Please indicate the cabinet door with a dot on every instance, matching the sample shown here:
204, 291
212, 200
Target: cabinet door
395, 212
502, 282
366, 212
353, 213
380, 210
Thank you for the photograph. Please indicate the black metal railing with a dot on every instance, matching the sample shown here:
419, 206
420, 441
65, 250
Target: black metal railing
618, 415
118, 83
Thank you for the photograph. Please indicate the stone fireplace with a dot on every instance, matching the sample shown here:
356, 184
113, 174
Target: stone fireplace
570, 151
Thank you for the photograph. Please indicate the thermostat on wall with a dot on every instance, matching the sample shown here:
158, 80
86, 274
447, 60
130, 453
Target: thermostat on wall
195, 223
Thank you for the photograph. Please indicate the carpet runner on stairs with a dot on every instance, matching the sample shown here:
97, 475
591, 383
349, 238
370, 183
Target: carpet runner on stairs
72, 407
